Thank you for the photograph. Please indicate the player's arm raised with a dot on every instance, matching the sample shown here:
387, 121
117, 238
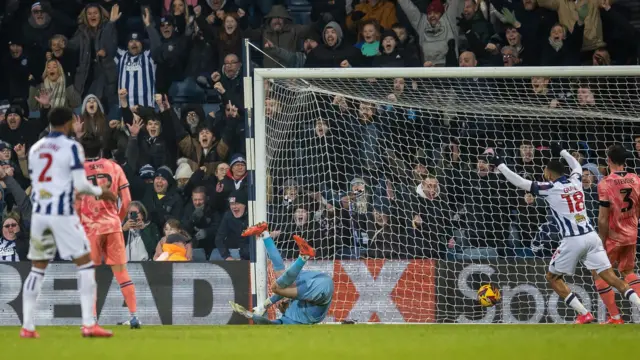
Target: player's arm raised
603, 211
81, 184
557, 150
513, 178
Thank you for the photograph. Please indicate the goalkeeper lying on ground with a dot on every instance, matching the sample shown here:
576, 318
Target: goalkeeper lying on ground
307, 293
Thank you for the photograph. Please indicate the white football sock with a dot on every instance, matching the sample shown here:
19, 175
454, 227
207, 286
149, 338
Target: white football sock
30, 291
633, 297
87, 288
572, 300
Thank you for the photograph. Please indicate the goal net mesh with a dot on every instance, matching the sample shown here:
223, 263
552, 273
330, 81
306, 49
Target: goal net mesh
388, 180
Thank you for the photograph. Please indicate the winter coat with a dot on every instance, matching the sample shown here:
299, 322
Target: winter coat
568, 17
288, 38
72, 97
105, 71
27, 132
161, 210
228, 236
326, 56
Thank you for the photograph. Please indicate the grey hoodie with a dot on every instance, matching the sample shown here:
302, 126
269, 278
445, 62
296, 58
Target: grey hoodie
433, 41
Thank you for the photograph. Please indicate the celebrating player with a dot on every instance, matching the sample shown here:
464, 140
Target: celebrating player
310, 292
580, 242
102, 220
55, 165
619, 193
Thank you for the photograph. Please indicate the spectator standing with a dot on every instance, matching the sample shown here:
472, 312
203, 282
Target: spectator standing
225, 39
206, 150
389, 55
17, 130
280, 31
369, 43
230, 245
163, 202
434, 219
43, 23
229, 82
202, 58
137, 67
334, 51
19, 70
199, 220
572, 13
293, 59
300, 222
563, 47
66, 57
381, 11
14, 243
95, 43
235, 177
54, 83
436, 33
153, 144
182, 12
140, 234
171, 57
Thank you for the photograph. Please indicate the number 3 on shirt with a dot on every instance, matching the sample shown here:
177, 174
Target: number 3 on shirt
43, 175
627, 199
575, 201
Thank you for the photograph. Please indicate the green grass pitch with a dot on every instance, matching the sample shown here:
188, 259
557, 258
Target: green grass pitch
330, 342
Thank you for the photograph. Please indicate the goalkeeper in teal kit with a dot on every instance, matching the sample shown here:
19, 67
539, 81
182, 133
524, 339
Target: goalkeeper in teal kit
308, 294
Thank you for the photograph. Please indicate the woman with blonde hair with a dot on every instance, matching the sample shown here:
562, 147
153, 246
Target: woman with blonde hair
96, 44
55, 85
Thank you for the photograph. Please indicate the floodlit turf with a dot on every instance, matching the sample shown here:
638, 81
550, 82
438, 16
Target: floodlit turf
329, 342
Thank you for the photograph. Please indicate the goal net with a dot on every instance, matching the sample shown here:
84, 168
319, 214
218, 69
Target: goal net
385, 173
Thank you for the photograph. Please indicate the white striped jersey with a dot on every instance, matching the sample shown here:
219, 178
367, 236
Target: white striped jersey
137, 74
8, 251
566, 204
52, 161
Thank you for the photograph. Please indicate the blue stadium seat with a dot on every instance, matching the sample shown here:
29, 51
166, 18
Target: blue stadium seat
301, 14
198, 255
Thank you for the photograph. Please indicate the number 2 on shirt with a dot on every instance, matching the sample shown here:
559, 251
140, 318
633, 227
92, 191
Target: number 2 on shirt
43, 175
575, 201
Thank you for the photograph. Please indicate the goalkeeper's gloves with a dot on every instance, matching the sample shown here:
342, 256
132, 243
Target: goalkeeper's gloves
496, 160
556, 149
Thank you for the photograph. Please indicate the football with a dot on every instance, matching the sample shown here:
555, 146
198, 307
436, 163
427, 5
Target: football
488, 295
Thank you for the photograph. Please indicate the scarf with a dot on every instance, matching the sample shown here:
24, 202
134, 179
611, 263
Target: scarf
556, 45
57, 91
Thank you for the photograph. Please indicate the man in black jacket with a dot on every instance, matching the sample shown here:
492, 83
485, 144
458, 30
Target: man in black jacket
334, 51
230, 245
172, 55
18, 130
199, 219
163, 202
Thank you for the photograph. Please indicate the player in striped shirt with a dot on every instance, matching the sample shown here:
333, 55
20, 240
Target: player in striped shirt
580, 243
619, 194
103, 220
136, 67
57, 172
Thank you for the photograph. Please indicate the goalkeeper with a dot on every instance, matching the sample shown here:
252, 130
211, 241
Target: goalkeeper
307, 294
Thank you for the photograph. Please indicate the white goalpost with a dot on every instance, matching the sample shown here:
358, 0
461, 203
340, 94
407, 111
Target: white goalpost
385, 172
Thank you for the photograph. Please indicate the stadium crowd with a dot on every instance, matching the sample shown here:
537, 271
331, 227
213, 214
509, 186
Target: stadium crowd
159, 83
